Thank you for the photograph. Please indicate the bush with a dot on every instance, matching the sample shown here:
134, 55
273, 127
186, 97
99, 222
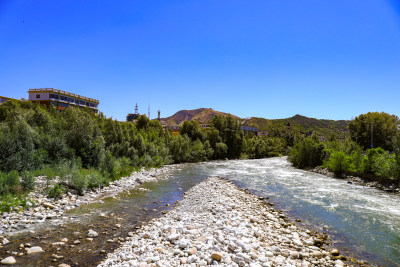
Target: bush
9, 182
27, 180
56, 191
370, 160
10, 201
95, 179
338, 162
109, 167
308, 152
79, 181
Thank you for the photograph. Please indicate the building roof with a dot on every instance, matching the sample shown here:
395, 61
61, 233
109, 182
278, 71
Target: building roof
52, 90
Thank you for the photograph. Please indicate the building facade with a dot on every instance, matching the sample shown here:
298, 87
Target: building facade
249, 129
4, 99
62, 99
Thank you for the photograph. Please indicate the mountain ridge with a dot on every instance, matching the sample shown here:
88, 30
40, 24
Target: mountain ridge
297, 122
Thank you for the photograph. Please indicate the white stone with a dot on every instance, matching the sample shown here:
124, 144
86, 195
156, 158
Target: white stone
92, 233
33, 250
9, 261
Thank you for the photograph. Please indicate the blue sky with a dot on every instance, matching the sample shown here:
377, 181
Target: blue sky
332, 59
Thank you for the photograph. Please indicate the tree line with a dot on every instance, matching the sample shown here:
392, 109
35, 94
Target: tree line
75, 150
371, 150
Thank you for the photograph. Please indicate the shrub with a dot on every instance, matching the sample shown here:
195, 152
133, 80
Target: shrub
307, 152
95, 179
109, 167
8, 182
56, 191
338, 162
79, 181
370, 160
27, 180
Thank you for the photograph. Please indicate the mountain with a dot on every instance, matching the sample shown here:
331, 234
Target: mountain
298, 122
303, 124
201, 115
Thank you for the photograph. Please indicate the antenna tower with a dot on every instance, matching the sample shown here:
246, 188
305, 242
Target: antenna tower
149, 111
136, 109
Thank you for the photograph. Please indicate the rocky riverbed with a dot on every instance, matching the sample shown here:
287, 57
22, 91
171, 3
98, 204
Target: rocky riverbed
218, 224
47, 210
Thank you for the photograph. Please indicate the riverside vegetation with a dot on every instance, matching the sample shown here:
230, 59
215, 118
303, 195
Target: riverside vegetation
77, 151
380, 164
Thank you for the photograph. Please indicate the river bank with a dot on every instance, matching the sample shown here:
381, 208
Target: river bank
364, 180
217, 223
53, 211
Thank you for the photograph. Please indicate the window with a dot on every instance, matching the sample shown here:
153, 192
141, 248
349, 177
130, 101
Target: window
64, 105
37, 96
53, 96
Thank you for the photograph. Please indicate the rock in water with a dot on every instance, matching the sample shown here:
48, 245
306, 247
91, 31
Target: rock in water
92, 233
335, 252
9, 261
33, 250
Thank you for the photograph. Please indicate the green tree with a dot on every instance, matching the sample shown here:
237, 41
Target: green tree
338, 162
193, 130
385, 127
231, 134
308, 152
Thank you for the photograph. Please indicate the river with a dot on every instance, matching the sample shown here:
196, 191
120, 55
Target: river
363, 222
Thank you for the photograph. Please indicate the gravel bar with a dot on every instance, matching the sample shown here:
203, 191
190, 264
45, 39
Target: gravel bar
47, 210
218, 224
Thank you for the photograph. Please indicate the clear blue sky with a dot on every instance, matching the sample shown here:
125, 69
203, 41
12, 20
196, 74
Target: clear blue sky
332, 59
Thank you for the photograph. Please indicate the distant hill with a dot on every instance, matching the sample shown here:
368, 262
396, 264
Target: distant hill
297, 122
302, 123
201, 115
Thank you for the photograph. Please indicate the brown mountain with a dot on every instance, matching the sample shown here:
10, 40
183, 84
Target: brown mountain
297, 122
201, 115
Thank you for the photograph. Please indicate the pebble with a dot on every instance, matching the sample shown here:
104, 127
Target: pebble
9, 261
216, 256
92, 233
34, 250
335, 252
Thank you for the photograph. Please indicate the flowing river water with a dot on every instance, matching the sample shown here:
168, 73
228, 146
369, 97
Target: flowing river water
364, 222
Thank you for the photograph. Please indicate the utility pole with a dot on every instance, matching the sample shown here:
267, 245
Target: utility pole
372, 135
